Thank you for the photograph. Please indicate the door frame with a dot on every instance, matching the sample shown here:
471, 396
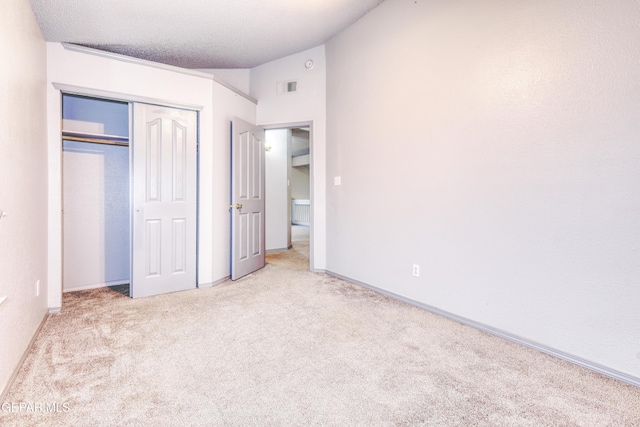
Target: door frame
312, 166
55, 223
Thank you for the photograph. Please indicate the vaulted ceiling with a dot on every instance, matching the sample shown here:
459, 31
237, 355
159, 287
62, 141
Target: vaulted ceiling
199, 33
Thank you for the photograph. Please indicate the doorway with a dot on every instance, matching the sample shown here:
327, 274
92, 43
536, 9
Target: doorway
289, 177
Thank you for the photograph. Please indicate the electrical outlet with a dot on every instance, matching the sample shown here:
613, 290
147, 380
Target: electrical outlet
38, 287
416, 270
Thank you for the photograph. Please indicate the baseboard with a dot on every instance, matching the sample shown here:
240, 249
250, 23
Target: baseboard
212, 284
502, 334
16, 370
279, 249
98, 285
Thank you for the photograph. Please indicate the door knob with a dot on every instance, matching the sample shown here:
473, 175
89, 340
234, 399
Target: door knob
238, 206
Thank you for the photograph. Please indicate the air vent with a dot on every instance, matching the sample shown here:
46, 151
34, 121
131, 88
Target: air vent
287, 87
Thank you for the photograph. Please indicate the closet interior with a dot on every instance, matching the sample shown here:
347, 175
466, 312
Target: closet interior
96, 193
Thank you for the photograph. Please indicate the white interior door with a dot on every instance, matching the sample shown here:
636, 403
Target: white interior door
247, 198
164, 200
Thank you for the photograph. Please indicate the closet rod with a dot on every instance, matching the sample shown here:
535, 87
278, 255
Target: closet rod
95, 141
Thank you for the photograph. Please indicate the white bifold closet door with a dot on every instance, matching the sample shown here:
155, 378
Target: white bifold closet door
164, 150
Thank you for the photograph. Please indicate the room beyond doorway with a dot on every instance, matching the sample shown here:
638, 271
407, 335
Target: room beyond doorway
289, 186
300, 237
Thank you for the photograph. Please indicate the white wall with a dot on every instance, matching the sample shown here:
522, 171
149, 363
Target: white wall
96, 227
23, 182
239, 78
277, 191
166, 85
300, 176
300, 182
495, 144
307, 104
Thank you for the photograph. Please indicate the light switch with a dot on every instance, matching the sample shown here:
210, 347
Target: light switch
337, 180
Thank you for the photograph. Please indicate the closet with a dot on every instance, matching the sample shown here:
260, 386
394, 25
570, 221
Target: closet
129, 193
96, 193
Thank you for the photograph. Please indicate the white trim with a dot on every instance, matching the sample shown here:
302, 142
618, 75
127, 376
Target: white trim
502, 334
289, 125
146, 63
16, 369
212, 284
98, 285
130, 59
124, 97
234, 89
269, 251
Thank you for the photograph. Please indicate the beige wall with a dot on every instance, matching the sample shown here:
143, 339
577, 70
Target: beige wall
23, 182
496, 144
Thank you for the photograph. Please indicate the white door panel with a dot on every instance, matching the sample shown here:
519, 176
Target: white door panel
247, 198
164, 201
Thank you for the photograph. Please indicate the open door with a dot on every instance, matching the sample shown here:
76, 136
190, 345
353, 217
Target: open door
247, 198
164, 200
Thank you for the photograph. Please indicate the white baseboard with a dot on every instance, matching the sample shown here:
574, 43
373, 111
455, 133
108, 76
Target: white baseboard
16, 369
502, 334
97, 285
212, 284
279, 249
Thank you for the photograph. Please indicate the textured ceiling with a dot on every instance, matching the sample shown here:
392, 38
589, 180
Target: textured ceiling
199, 33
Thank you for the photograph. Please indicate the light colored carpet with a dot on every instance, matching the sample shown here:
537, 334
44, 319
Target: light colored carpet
286, 347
